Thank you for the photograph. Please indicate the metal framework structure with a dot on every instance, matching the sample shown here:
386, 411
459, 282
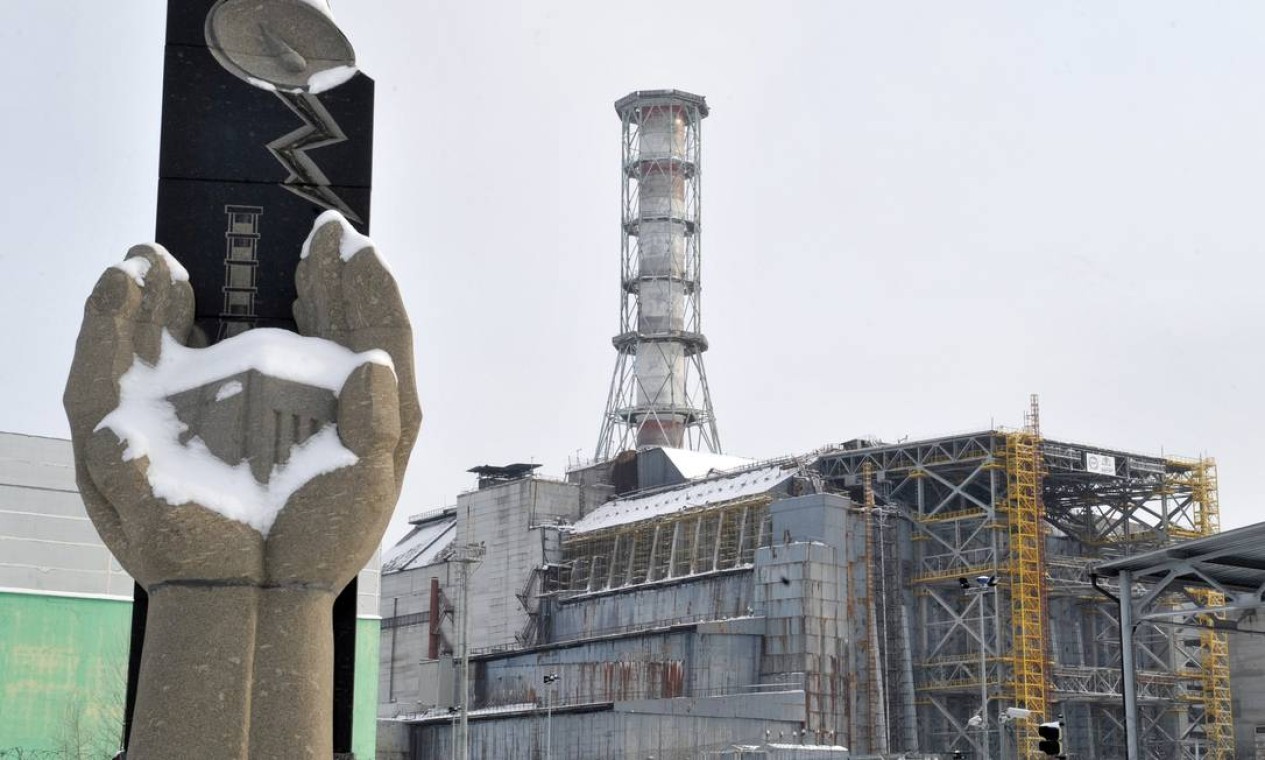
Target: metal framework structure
658, 393
1199, 585
720, 537
1035, 514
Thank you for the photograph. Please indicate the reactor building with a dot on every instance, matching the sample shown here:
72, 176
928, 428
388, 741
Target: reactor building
864, 599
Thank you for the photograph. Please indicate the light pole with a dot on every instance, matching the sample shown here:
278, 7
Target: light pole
453, 713
549, 680
983, 585
470, 554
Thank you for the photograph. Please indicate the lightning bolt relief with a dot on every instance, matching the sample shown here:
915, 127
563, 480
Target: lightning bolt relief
319, 129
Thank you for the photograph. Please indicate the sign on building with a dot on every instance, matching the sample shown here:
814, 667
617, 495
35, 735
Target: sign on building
1100, 464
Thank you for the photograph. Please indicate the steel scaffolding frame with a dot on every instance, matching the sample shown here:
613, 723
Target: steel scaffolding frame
888, 719
1026, 567
993, 503
1209, 661
948, 490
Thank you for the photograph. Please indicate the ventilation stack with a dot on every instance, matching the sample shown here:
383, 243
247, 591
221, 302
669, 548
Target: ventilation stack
659, 394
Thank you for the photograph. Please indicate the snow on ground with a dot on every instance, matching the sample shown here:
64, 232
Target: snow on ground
182, 473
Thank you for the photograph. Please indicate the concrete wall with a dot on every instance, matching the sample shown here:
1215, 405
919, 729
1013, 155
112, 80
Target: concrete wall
513, 521
516, 523
1247, 685
678, 729
710, 597
801, 588
393, 740
47, 542
407, 680
669, 669
705, 660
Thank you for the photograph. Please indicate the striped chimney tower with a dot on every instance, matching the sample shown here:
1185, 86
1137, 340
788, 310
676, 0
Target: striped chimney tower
658, 394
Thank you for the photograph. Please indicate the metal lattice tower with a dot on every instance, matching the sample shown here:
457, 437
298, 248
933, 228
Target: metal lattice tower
658, 394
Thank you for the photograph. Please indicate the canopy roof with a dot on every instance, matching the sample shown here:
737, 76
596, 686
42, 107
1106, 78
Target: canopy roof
1231, 562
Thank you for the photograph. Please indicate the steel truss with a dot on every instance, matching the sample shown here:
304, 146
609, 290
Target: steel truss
1035, 513
716, 538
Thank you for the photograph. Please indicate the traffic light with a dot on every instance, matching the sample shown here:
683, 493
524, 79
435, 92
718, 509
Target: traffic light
1050, 734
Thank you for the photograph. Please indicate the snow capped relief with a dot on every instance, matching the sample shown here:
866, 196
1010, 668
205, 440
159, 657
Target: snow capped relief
240, 426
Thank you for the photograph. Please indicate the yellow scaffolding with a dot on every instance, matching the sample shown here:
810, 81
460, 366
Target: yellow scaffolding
1214, 670
1029, 668
1204, 491
1214, 680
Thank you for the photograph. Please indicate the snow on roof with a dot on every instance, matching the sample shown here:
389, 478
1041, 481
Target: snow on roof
700, 464
698, 494
421, 546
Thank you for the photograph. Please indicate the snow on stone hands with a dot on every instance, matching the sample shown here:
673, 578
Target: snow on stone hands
352, 242
182, 469
138, 266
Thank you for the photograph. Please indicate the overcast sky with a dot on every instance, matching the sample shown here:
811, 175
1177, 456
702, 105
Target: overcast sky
915, 215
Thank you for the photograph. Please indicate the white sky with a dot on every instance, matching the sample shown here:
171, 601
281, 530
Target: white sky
916, 214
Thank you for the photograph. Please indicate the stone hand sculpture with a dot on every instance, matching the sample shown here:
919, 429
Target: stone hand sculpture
243, 485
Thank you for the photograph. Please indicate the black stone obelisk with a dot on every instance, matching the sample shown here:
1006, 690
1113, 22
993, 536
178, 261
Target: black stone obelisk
244, 170
229, 206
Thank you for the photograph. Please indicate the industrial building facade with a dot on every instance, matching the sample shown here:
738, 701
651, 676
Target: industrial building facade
919, 598
916, 598
66, 612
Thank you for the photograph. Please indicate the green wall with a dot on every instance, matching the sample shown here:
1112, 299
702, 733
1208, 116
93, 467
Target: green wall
364, 729
63, 675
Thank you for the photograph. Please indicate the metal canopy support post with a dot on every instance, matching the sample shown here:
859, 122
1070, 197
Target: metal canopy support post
1130, 677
